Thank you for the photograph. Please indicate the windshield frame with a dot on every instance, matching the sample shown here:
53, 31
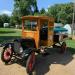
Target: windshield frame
31, 26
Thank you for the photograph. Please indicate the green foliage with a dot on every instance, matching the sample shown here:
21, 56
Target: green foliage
36, 14
42, 11
22, 8
25, 7
4, 19
61, 12
1, 21
15, 20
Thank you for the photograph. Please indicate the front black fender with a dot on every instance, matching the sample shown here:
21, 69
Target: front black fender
8, 44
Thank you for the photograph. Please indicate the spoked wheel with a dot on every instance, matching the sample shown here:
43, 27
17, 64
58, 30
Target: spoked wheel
63, 47
6, 54
30, 63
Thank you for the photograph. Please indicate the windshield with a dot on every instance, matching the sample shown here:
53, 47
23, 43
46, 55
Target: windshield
30, 25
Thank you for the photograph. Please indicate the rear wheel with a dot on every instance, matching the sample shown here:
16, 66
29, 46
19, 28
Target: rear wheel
63, 47
30, 63
6, 54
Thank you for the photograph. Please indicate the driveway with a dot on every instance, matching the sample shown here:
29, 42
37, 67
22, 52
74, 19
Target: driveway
53, 64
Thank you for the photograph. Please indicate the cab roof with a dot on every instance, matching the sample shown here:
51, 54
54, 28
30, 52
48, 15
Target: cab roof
38, 17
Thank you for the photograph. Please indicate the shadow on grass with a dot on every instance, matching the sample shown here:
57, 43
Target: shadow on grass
7, 39
71, 50
5, 32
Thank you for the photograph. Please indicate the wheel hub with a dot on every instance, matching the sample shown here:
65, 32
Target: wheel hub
7, 54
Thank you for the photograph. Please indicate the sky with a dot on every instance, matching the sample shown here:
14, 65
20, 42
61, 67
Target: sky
6, 6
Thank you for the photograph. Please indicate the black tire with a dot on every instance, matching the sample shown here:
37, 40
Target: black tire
63, 47
6, 51
30, 63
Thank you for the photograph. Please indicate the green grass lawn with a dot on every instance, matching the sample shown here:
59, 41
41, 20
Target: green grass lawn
8, 34
70, 43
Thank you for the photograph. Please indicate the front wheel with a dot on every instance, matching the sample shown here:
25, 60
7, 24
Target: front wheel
30, 63
7, 54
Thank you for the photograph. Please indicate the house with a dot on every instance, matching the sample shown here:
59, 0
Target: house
68, 27
5, 25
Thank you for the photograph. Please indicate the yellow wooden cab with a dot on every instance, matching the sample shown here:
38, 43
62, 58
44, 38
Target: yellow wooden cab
39, 28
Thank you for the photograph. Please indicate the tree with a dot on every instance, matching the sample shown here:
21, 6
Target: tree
1, 21
42, 11
62, 17
4, 19
61, 12
24, 7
